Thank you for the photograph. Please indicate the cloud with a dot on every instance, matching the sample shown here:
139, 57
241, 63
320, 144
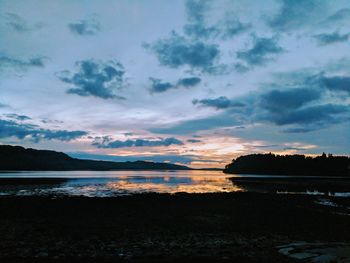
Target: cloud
10, 128
232, 26
301, 109
177, 51
332, 38
96, 79
196, 11
85, 27
193, 140
189, 82
339, 16
262, 51
21, 64
18, 117
278, 101
18, 24
218, 103
336, 83
137, 143
158, 86
192, 126
316, 115
197, 27
295, 14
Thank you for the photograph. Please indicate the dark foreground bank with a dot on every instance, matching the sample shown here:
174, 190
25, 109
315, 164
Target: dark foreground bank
245, 227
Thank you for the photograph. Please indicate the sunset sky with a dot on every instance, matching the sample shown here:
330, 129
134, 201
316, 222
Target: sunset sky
190, 82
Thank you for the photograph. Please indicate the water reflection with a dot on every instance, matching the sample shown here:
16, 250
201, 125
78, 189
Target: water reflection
114, 183
332, 186
103, 184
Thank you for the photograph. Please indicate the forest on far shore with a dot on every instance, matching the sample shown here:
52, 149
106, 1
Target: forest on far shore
272, 164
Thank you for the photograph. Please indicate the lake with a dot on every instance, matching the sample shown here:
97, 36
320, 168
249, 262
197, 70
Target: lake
116, 183
111, 183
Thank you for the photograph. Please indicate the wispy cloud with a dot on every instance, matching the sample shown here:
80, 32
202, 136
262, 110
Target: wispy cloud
20, 25
221, 102
85, 27
296, 14
262, 51
7, 61
137, 143
19, 130
158, 86
332, 38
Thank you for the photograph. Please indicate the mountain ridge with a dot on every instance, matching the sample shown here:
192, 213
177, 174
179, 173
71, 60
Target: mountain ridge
18, 158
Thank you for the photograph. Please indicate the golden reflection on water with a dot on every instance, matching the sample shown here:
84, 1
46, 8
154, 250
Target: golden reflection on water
197, 184
113, 183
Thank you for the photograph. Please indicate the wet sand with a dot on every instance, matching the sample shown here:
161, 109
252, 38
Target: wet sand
239, 227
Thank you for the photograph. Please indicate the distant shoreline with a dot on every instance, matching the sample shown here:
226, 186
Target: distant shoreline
294, 165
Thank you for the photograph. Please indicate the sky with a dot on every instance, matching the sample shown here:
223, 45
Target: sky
184, 81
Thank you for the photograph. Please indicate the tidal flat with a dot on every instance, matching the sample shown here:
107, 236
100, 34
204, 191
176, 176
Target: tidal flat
239, 226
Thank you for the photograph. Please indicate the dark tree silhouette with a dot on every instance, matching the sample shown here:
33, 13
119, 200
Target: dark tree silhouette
271, 164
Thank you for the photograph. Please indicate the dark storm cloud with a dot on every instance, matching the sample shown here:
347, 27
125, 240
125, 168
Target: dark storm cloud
18, 24
85, 27
295, 14
10, 128
332, 38
22, 64
262, 51
95, 79
218, 103
177, 51
138, 143
158, 86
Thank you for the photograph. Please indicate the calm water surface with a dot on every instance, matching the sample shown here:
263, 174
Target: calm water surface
115, 183
110, 183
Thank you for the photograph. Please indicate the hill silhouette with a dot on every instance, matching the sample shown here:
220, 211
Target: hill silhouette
271, 164
16, 158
